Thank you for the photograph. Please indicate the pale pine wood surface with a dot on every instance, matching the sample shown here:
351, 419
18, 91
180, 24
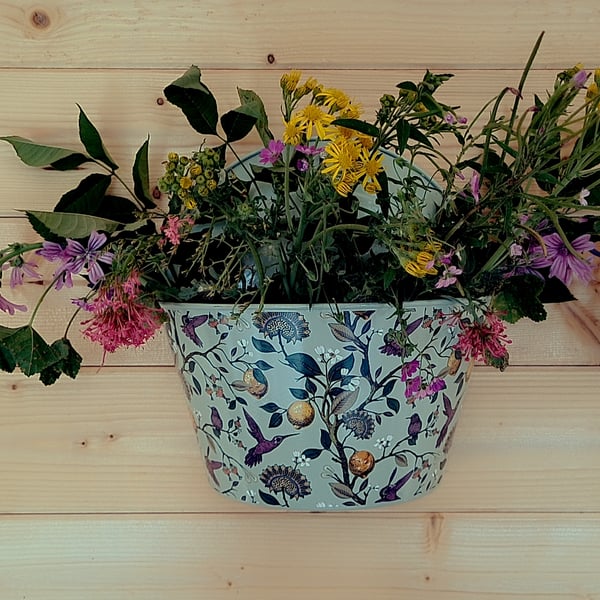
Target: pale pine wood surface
102, 488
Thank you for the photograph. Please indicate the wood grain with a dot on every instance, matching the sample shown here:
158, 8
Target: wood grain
121, 440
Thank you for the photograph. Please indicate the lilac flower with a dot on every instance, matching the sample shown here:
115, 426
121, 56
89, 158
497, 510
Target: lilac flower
450, 118
80, 257
270, 155
579, 79
52, 251
449, 277
10, 307
582, 197
302, 165
309, 150
563, 263
20, 270
515, 250
474, 183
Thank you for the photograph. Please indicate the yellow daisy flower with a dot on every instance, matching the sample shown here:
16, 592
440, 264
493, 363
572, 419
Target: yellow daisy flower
289, 81
342, 158
313, 116
293, 133
334, 99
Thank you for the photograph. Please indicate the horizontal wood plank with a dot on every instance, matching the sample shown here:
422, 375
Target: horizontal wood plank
234, 33
421, 556
121, 440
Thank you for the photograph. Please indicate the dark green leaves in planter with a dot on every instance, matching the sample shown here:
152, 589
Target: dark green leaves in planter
86, 197
141, 176
238, 123
358, 125
248, 97
68, 225
195, 100
519, 298
40, 155
90, 138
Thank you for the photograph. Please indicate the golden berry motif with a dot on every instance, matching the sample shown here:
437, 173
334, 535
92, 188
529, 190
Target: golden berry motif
300, 414
361, 463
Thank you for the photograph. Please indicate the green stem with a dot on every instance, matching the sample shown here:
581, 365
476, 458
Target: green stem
18, 250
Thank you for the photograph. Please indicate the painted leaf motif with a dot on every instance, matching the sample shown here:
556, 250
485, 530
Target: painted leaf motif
341, 490
268, 499
325, 439
270, 407
335, 372
411, 327
344, 401
299, 393
263, 345
304, 364
342, 333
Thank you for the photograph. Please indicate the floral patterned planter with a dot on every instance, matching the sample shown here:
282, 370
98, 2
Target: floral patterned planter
327, 408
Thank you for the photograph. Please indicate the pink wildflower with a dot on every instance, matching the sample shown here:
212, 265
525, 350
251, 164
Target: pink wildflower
270, 155
449, 277
121, 319
20, 270
483, 339
174, 228
564, 265
474, 183
579, 79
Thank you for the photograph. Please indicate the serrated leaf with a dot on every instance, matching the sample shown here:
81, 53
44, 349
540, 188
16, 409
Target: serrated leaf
344, 401
40, 155
195, 100
141, 175
69, 362
262, 122
28, 349
91, 139
69, 225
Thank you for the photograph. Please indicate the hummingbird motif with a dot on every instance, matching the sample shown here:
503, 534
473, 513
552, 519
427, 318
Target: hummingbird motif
255, 455
212, 466
389, 493
215, 419
414, 428
449, 412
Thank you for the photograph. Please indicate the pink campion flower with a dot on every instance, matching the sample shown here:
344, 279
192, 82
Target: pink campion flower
483, 338
309, 150
175, 227
10, 307
449, 277
270, 155
87, 257
564, 265
121, 319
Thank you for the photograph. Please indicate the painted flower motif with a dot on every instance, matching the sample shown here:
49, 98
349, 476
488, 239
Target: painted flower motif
360, 423
383, 443
300, 460
292, 327
281, 479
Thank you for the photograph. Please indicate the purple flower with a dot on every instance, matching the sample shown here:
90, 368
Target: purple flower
20, 270
270, 155
80, 257
10, 307
563, 263
475, 186
413, 387
437, 385
579, 79
302, 165
52, 251
409, 369
309, 150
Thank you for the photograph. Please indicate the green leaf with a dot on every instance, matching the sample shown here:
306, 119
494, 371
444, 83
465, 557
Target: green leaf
69, 362
86, 198
28, 349
195, 100
69, 225
141, 176
520, 297
402, 133
238, 123
358, 125
40, 155
90, 138
409, 86
262, 123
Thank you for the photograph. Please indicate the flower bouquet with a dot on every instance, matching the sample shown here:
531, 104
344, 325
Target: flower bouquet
335, 209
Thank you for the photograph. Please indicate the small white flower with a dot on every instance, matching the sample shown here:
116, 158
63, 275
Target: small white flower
382, 443
300, 460
583, 194
354, 384
243, 343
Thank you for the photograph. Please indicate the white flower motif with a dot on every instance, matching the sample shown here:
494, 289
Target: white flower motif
354, 384
300, 460
383, 443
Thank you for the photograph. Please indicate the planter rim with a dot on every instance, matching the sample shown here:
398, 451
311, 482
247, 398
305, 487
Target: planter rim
271, 306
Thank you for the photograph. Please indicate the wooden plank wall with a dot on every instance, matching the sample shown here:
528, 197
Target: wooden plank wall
102, 489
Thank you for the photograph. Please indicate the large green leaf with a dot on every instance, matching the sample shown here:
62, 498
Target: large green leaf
195, 100
91, 139
238, 123
86, 198
68, 362
357, 125
40, 155
248, 97
27, 348
141, 176
70, 225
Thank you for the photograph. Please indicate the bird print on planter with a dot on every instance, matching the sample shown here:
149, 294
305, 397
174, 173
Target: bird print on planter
389, 493
254, 456
414, 428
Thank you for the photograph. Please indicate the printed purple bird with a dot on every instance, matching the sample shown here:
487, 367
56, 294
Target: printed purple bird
215, 419
389, 493
414, 428
449, 412
255, 455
